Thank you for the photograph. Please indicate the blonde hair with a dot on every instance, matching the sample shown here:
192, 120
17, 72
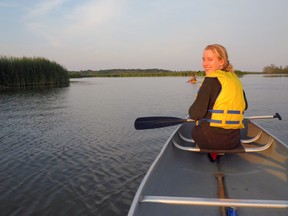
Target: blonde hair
221, 53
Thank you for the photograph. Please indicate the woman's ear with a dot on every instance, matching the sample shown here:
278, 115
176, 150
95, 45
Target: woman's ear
222, 63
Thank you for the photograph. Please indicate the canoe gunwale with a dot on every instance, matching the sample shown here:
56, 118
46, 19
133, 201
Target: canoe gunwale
267, 132
137, 197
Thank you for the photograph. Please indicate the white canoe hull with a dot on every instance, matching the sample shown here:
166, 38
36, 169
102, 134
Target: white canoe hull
184, 183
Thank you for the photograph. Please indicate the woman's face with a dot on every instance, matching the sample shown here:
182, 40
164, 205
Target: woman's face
210, 62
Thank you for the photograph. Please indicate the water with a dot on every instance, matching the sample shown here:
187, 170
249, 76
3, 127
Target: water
74, 151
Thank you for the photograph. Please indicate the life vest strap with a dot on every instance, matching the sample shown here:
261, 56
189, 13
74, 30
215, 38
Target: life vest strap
220, 122
228, 111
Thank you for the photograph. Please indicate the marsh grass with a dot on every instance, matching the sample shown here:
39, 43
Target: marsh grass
31, 72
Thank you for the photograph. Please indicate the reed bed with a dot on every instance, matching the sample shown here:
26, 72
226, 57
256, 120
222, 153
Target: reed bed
31, 72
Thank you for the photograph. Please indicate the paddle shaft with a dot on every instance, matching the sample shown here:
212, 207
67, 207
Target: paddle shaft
265, 117
164, 121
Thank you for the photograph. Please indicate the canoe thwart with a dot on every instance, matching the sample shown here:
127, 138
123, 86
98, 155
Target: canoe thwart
251, 203
253, 139
185, 138
261, 148
239, 149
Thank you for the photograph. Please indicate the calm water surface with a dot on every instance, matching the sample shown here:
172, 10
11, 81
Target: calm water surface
74, 151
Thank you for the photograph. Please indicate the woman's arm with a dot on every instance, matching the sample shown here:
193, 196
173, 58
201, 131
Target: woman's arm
205, 99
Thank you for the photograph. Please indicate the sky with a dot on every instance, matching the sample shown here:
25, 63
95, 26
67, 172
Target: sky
145, 34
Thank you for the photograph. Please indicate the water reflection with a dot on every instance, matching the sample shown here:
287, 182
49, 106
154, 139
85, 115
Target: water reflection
74, 151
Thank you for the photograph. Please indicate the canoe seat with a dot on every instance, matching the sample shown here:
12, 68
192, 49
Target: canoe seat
240, 149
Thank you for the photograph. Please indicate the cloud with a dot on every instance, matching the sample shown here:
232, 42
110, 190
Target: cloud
6, 4
91, 14
43, 9
58, 20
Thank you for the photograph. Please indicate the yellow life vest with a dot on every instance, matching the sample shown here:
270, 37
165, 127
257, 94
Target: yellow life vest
228, 110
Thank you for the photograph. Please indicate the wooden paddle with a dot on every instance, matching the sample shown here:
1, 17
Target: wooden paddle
221, 190
144, 123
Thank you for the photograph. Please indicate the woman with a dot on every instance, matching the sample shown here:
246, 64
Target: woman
220, 103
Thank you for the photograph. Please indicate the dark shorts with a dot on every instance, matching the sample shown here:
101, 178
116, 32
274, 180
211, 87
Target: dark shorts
207, 137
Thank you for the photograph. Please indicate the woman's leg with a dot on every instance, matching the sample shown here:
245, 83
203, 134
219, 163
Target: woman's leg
208, 138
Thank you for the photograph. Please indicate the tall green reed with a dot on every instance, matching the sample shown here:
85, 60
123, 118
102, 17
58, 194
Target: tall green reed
31, 72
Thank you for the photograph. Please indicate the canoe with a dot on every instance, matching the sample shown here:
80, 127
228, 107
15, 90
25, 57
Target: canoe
192, 81
252, 180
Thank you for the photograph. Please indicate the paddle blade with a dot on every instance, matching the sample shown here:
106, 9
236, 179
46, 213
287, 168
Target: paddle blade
277, 115
156, 122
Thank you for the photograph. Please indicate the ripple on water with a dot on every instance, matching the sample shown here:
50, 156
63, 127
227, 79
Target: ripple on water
65, 154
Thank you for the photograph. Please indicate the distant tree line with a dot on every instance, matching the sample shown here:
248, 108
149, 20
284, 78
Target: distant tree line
127, 73
31, 72
272, 69
137, 73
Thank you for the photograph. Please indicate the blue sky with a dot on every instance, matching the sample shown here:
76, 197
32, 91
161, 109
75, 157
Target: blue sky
166, 34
